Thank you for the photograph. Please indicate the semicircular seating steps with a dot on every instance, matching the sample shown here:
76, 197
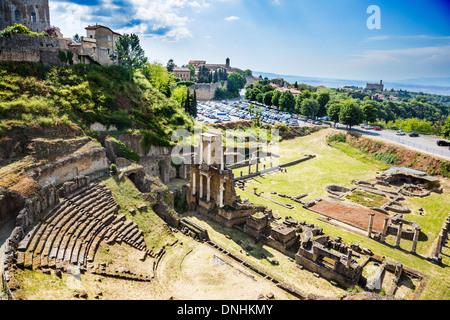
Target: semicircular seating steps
72, 232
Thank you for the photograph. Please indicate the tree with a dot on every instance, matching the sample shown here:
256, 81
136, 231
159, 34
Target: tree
129, 53
187, 101
193, 110
248, 72
351, 113
236, 82
446, 129
370, 113
170, 65
250, 94
334, 110
309, 107
268, 98
160, 78
276, 98
287, 101
323, 99
192, 68
76, 38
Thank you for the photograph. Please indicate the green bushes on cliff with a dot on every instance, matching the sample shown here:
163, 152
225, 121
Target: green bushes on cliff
85, 94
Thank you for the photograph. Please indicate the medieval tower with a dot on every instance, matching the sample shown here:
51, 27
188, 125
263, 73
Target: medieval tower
34, 14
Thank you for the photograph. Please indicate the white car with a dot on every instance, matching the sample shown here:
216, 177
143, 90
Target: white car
400, 133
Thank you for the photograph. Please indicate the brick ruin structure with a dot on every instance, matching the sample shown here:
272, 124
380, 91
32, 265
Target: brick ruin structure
212, 190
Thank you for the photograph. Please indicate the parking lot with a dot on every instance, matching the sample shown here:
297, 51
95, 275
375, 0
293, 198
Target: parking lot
239, 109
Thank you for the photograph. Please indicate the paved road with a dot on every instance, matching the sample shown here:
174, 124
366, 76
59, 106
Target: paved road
423, 143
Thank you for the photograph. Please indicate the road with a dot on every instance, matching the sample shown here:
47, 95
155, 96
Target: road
423, 143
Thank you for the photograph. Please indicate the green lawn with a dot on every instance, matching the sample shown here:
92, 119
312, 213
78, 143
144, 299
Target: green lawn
333, 166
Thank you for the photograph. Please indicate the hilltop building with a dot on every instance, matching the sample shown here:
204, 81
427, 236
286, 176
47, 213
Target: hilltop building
213, 67
182, 73
97, 46
34, 14
375, 86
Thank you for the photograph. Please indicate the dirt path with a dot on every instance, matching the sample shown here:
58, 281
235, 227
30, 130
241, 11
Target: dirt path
201, 273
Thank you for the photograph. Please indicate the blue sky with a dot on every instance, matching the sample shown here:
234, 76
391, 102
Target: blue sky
294, 37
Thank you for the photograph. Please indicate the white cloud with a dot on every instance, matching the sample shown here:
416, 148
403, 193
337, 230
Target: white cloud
164, 19
232, 18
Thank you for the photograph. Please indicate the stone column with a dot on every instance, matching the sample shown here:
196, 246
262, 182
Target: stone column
439, 245
369, 230
221, 193
201, 151
399, 234
208, 188
257, 165
222, 160
209, 153
201, 186
349, 257
384, 231
415, 239
193, 184
249, 167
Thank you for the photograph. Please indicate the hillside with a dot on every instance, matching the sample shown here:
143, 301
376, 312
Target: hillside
85, 94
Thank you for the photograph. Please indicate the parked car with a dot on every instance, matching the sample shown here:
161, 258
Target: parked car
368, 127
377, 128
400, 133
317, 123
443, 143
413, 134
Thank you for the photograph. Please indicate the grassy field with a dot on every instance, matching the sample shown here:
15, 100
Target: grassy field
342, 167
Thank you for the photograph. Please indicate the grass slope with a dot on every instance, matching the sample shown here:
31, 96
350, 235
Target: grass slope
333, 166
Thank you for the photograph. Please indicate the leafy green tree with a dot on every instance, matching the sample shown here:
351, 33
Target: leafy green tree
287, 101
334, 110
323, 98
276, 98
248, 72
309, 107
260, 97
170, 65
129, 53
250, 94
192, 68
268, 98
160, 78
351, 113
370, 112
446, 129
236, 82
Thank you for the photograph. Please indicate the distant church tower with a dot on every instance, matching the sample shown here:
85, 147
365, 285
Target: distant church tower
34, 14
227, 63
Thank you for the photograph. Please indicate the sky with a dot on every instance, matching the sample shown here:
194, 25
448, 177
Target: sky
310, 38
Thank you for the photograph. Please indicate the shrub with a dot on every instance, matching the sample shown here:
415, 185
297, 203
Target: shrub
386, 158
339, 137
124, 150
113, 169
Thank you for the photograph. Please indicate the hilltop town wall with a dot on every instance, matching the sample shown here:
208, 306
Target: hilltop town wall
207, 92
30, 48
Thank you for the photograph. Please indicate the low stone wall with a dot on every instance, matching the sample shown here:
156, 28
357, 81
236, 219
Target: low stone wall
68, 168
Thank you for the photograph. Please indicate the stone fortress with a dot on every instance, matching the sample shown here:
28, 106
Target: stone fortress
34, 14
94, 48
